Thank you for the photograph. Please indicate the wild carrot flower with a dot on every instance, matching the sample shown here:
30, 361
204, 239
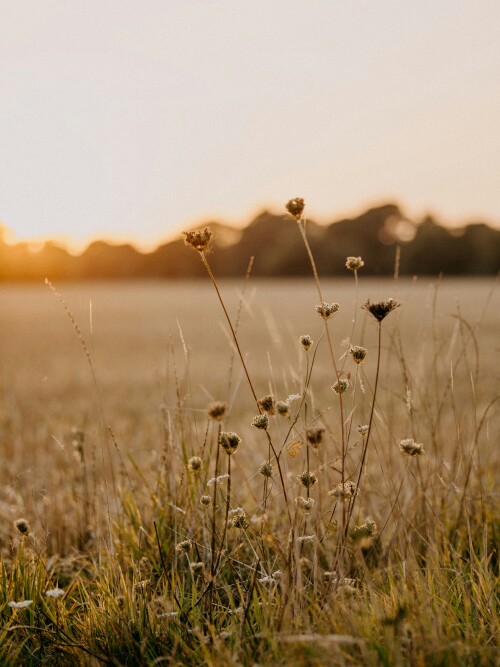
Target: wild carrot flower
358, 353
354, 263
22, 526
184, 547
344, 491
199, 240
340, 386
55, 593
261, 421
217, 410
239, 518
20, 605
194, 463
266, 469
306, 341
295, 207
283, 408
197, 568
268, 404
367, 529
229, 442
326, 310
410, 447
307, 479
304, 504
379, 309
205, 500
314, 435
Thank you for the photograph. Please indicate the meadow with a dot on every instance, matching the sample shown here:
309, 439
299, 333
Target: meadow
320, 541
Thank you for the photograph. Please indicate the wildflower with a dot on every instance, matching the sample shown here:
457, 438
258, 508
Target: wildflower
217, 480
55, 593
197, 568
306, 539
344, 491
283, 408
354, 263
22, 526
295, 207
305, 504
217, 410
306, 341
261, 421
199, 239
239, 518
326, 310
184, 547
205, 501
358, 353
314, 435
340, 386
229, 442
380, 309
266, 469
307, 479
367, 529
194, 463
410, 447
268, 404
363, 429
20, 605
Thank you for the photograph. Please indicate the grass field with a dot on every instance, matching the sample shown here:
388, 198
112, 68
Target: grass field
104, 407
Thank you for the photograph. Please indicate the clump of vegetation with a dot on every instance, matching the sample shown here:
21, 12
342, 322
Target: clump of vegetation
350, 543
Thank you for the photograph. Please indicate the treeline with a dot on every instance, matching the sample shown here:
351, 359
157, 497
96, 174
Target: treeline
426, 248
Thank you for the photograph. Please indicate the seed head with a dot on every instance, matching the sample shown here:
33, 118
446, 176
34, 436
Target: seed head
268, 404
261, 421
306, 341
358, 353
363, 429
22, 526
199, 239
283, 408
326, 310
314, 435
344, 491
239, 518
410, 447
217, 410
307, 479
304, 504
354, 263
184, 547
194, 464
295, 207
340, 386
229, 442
266, 469
306, 539
197, 568
205, 501
367, 529
379, 309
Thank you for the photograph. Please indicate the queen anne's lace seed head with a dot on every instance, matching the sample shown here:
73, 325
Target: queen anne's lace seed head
354, 263
358, 353
314, 435
305, 504
410, 447
326, 310
199, 240
306, 341
283, 408
307, 479
229, 442
194, 463
268, 404
22, 526
379, 309
217, 410
295, 207
261, 421
266, 469
366, 529
341, 386
184, 547
344, 491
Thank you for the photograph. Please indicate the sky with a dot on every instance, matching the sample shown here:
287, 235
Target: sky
135, 119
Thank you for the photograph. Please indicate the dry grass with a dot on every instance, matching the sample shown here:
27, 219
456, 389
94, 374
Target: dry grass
98, 466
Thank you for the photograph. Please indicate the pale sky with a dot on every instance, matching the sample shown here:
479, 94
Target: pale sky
133, 119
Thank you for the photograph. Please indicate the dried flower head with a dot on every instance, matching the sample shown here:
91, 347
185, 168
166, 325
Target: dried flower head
344, 491
306, 341
184, 547
239, 518
22, 526
205, 500
55, 593
367, 529
261, 421
363, 429
20, 605
314, 435
194, 463
268, 404
307, 479
295, 207
217, 410
379, 309
199, 239
229, 442
410, 447
197, 568
306, 539
341, 386
326, 310
283, 408
304, 504
266, 469
358, 353
354, 263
